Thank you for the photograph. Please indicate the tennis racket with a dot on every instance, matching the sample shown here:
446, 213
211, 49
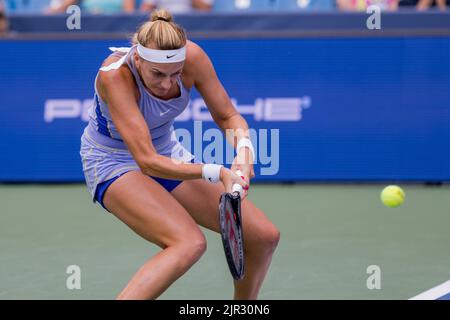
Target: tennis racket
231, 230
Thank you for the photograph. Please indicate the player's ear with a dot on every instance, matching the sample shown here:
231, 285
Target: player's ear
137, 61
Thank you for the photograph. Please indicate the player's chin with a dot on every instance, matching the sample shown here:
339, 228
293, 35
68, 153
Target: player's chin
161, 92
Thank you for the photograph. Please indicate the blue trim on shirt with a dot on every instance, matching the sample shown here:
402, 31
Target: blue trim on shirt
101, 120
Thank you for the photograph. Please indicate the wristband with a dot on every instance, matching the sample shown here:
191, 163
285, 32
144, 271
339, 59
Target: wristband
211, 172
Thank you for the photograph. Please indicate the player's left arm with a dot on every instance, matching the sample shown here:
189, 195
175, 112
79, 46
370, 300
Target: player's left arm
219, 105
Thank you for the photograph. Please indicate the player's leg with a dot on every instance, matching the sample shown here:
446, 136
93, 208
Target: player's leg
260, 234
152, 212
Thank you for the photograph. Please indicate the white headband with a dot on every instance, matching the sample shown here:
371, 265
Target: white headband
161, 56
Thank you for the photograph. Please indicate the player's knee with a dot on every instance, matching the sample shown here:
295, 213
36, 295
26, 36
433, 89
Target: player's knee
270, 237
198, 247
263, 241
192, 248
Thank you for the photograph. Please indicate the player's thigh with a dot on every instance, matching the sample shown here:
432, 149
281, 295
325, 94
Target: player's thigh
201, 200
152, 212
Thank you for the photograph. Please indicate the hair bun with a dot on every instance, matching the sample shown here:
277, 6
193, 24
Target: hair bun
162, 15
159, 35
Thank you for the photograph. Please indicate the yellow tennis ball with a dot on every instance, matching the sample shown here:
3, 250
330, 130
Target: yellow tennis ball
392, 196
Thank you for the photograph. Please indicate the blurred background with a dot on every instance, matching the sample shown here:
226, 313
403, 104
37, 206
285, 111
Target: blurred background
349, 98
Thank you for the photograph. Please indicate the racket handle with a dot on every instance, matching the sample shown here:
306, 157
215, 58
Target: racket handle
237, 187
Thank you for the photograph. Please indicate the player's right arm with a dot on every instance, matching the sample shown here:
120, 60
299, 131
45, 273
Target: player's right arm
118, 90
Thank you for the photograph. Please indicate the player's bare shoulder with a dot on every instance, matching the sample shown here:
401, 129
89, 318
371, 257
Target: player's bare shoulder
115, 79
114, 75
193, 52
197, 62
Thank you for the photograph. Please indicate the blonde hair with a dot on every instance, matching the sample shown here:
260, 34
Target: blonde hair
160, 32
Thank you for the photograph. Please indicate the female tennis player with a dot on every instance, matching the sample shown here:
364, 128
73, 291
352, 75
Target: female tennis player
136, 169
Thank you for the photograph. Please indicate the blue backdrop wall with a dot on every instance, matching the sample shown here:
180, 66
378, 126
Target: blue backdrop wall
342, 109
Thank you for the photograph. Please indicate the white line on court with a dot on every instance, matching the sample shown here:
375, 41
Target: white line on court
434, 293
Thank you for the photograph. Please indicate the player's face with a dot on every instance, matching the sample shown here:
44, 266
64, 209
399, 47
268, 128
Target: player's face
159, 77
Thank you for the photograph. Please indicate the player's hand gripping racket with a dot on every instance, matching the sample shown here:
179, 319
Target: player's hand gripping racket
231, 229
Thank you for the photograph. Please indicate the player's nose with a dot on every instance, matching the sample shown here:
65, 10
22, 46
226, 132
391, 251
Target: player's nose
166, 84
